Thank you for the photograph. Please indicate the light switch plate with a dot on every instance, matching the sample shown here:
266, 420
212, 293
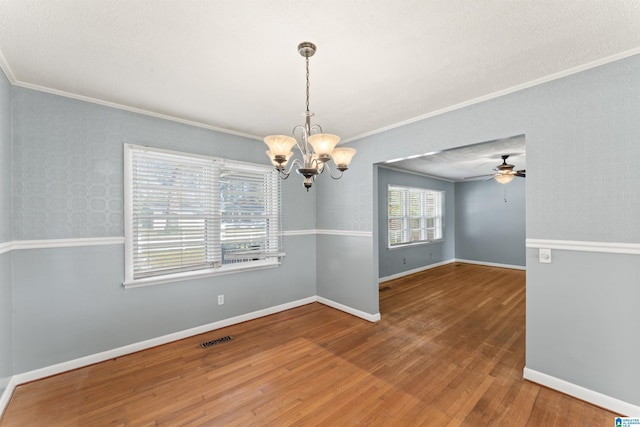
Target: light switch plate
545, 256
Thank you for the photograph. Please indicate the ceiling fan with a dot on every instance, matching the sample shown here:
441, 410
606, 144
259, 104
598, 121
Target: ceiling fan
504, 172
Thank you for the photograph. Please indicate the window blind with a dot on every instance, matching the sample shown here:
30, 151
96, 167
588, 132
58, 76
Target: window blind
172, 205
398, 218
190, 213
415, 215
249, 216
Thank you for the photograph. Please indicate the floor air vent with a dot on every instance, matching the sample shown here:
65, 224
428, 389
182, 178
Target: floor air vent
216, 341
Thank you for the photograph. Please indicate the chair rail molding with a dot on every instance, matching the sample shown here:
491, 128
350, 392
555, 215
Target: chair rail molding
584, 246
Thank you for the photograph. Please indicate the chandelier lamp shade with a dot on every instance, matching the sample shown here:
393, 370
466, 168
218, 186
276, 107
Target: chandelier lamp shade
316, 148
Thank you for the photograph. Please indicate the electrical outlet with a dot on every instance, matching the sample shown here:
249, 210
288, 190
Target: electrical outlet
220, 299
404, 260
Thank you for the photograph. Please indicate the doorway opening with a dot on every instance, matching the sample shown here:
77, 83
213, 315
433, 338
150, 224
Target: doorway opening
479, 227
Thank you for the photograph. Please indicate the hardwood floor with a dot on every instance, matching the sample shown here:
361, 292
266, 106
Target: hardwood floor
449, 351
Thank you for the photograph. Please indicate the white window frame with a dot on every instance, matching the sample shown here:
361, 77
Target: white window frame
414, 223
211, 173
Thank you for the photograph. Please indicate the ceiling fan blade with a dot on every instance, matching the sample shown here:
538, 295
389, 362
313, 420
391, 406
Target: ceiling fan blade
521, 173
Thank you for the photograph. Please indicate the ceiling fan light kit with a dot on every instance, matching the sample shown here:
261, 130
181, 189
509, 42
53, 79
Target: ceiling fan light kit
504, 172
316, 148
504, 178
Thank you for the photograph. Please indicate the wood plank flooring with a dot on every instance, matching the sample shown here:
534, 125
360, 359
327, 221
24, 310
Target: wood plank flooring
449, 351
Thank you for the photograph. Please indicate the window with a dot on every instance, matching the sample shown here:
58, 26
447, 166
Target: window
189, 215
415, 215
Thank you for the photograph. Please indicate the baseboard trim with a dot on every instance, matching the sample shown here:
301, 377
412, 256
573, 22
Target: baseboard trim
449, 261
491, 264
5, 397
413, 271
350, 310
81, 362
153, 342
579, 392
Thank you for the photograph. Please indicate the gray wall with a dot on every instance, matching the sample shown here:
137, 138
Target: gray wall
401, 259
73, 303
488, 229
6, 341
347, 270
582, 322
579, 129
67, 171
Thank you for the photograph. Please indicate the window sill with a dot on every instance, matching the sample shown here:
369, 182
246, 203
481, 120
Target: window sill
409, 245
177, 277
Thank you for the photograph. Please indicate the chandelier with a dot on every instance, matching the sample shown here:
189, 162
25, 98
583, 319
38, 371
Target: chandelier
316, 148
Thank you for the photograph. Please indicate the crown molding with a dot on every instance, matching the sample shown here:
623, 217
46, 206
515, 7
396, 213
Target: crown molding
516, 88
131, 109
4, 65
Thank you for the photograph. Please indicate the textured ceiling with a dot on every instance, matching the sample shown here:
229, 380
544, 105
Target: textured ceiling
233, 65
471, 162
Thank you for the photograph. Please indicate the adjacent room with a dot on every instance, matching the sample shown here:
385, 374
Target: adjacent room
447, 234
476, 217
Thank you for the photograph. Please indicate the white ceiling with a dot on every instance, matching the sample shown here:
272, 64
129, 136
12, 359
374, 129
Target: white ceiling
468, 163
233, 65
